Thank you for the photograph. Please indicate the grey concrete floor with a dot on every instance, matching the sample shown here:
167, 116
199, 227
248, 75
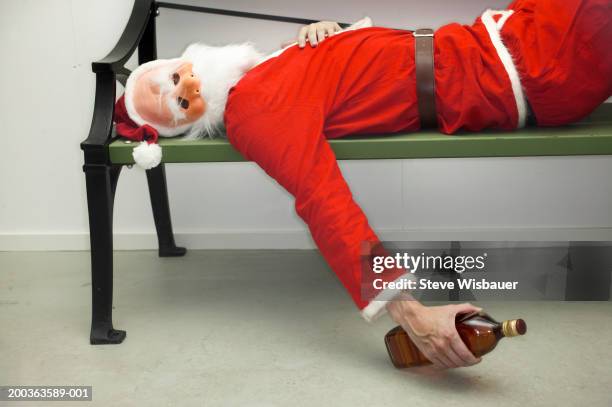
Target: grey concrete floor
269, 328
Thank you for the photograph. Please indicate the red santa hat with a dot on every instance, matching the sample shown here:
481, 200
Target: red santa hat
148, 153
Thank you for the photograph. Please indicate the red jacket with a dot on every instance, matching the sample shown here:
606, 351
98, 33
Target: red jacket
363, 81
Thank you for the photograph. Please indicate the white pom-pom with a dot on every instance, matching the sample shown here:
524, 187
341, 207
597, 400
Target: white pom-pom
147, 155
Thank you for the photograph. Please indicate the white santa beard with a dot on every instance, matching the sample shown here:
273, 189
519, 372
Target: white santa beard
219, 68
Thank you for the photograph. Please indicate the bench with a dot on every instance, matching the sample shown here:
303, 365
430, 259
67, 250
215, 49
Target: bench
105, 154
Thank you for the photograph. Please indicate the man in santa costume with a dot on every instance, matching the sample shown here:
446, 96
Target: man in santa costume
550, 57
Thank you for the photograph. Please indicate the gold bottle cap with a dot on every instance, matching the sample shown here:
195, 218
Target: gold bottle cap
514, 327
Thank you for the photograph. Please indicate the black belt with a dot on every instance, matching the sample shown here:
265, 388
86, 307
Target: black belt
425, 82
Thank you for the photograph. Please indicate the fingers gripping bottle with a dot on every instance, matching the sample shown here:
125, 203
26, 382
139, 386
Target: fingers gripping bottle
477, 330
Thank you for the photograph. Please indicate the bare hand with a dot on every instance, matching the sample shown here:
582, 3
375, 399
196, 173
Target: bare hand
316, 32
433, 331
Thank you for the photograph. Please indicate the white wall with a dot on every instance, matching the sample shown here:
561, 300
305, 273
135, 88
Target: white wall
47, 102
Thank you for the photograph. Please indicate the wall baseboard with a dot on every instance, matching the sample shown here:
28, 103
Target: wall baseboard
286, 239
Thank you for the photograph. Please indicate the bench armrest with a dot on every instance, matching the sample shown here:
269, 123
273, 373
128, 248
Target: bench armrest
108, 70
128, 41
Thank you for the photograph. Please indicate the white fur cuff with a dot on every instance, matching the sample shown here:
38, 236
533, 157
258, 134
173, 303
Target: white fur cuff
378, 305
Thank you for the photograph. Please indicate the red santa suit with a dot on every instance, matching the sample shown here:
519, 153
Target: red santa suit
281, 113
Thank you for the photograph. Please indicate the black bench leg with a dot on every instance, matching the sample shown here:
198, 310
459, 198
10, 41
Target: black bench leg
158, 191
101, 182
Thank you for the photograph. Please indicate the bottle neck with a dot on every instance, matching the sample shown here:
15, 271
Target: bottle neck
513, 327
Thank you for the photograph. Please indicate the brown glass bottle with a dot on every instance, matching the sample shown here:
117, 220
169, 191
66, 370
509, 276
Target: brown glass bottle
478, 331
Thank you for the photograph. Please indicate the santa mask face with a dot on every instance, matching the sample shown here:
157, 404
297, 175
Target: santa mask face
187, 95
168, 94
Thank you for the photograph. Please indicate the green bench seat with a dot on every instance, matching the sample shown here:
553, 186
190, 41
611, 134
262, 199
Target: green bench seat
592, 136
